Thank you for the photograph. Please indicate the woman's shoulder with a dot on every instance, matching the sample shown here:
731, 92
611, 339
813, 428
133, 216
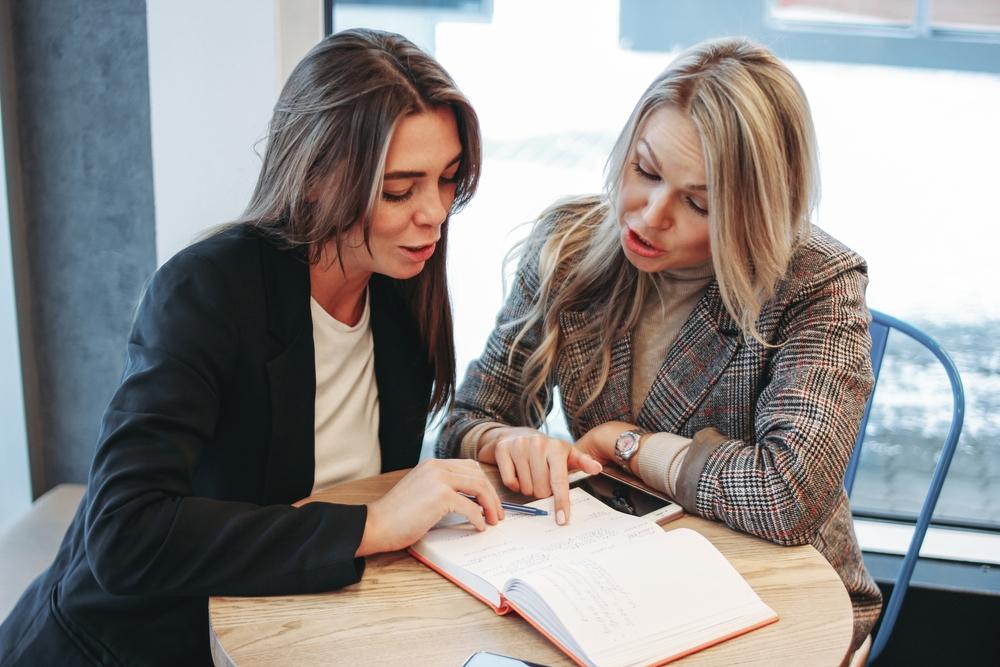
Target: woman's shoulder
568, 220
564, 214
820, 258
221, 245
229, 261
234, 247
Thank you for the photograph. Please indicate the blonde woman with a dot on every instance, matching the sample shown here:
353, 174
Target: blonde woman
300, 347
701, 332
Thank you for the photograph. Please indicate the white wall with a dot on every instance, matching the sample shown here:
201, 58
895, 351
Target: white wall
215, 70
15, 484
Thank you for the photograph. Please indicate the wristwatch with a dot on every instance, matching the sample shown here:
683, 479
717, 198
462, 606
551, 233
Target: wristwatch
626, 446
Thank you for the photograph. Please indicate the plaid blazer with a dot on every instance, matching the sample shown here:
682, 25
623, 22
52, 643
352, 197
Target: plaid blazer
773, 427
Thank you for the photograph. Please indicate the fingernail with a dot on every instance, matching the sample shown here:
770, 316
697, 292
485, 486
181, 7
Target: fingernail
561, 517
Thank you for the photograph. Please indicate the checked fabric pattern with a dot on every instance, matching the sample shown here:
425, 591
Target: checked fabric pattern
786, 416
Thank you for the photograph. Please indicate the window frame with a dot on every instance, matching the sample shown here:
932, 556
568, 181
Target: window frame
648, 25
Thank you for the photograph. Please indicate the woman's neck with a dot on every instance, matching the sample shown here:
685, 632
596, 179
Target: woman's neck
698, 272
339, 289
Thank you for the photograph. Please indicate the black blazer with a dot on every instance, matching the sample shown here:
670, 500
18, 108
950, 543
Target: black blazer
206, 442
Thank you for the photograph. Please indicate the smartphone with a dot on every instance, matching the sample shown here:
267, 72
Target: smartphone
487, 659
626, 497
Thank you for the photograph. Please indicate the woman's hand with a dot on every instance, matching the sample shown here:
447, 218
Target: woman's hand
534, 464
599, 442
422, 498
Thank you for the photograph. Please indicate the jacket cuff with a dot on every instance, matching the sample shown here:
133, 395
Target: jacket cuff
655, 457
469, 448
704, 443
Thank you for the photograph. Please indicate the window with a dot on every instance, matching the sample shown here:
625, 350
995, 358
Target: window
907, 155
924, 16
939, 34
15, 489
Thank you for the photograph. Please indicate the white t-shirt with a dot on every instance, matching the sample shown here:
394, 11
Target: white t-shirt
347, 418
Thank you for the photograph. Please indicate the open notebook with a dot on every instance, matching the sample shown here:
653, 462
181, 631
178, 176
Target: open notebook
608, 589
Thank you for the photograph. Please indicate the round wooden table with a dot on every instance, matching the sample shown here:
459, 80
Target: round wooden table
402, 612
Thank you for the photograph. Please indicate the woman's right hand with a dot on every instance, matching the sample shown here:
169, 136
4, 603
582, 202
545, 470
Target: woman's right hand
425, 496
534, 464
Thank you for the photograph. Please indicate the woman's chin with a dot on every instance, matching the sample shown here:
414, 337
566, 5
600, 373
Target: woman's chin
644, 264
411, 270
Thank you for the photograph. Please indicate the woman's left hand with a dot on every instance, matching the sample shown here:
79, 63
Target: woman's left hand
599, 441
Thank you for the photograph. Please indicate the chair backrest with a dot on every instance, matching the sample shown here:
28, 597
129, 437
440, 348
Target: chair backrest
880, 327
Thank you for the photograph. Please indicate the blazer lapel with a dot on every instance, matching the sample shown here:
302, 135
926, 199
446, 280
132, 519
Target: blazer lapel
291, 375
615, 401
705, 345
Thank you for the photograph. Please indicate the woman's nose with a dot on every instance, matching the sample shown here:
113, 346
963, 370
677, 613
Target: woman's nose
657, 213
433, 209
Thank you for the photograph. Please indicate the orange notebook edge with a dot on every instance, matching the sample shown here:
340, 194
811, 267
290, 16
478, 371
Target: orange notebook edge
504, 607
662, 661
718, 640
531, 621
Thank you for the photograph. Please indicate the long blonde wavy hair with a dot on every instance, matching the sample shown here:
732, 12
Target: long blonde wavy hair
763, 183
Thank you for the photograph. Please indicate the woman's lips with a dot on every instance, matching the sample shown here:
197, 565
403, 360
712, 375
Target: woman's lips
420, 253
639, 245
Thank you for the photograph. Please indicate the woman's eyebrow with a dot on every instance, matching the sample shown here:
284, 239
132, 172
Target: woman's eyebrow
648, 152
397, 175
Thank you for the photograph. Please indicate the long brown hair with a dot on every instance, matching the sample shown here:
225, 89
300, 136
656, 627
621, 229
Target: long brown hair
763, 183
330, 134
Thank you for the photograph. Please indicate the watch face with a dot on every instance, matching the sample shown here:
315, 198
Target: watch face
626, 445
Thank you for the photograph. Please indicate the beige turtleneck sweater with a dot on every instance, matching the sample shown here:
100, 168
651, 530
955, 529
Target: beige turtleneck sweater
664, 312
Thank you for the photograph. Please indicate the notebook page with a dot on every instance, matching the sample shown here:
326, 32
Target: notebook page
522, 544
638, 606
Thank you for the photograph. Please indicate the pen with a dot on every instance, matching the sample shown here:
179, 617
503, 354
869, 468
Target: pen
514, 507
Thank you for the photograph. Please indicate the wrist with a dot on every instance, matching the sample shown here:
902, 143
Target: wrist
487, 445
371, 537
633, 463
472, 440
626, 446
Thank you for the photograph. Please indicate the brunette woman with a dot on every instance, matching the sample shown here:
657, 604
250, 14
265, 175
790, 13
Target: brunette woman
299, 347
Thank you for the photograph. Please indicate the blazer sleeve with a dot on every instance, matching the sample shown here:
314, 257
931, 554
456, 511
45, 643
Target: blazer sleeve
146, 534
783, 485
492, 386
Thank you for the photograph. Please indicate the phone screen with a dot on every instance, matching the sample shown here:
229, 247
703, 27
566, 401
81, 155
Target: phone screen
487, 659
620, 496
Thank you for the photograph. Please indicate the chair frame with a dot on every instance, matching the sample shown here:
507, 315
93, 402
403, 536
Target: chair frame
880, 327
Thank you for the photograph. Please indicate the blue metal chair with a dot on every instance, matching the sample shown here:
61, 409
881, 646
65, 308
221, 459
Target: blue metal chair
880, 326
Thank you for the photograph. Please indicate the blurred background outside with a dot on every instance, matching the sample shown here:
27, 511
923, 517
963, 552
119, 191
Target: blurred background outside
908, 159
905, 96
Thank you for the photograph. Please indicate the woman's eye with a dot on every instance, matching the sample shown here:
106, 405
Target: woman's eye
695, 206
397, 196
643, 173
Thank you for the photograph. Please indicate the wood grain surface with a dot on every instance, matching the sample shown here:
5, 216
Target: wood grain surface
403, 613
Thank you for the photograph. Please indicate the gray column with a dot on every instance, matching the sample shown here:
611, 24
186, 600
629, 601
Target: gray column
83, 229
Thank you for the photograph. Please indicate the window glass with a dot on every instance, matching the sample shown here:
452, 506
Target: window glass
877, 12
966, 14
15, 488
908, 165
911, 415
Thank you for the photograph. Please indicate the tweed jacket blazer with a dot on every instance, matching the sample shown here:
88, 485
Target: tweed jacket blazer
773, 427
205, 444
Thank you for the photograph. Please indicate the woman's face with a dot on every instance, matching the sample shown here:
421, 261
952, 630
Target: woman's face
418, 191
663, 199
